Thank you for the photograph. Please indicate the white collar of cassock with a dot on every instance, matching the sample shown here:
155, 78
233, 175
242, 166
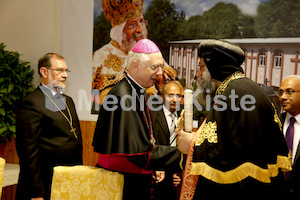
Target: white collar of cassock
136, 82
54, 92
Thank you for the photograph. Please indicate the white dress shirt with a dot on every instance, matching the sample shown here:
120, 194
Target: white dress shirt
168, 117
296, 131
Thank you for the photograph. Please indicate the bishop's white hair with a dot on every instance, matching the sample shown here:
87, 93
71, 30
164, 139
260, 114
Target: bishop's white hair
143, 57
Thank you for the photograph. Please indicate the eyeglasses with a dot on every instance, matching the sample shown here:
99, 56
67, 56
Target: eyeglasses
60, 71
201, 64
153, 67
135, 24
289, 92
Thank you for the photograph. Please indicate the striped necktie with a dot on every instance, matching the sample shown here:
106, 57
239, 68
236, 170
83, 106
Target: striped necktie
173, 135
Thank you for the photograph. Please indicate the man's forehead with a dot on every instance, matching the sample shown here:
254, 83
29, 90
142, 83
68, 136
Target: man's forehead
135, 19
171, 87
176, 92
59, 63
290, 83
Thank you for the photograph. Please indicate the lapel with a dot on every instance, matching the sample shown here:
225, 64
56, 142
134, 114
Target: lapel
163, 124
282, 117
297, 154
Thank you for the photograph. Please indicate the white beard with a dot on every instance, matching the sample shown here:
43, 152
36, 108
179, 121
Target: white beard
207, 86
54, 85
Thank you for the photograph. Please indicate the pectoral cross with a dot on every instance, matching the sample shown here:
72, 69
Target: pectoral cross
152, 140
73, 130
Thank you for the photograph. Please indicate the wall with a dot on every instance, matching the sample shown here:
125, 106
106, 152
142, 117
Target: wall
35, 27
31, 27
77, 48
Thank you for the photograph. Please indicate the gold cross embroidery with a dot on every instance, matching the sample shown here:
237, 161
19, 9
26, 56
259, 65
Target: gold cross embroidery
114, 62
208, 132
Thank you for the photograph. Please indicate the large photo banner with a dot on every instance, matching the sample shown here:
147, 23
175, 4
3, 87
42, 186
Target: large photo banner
119, 24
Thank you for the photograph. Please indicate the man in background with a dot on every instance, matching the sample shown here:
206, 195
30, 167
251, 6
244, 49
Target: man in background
165, 122
289, 94
48, 131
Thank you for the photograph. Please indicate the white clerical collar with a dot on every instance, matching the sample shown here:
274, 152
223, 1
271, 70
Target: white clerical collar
136, 82
53, 91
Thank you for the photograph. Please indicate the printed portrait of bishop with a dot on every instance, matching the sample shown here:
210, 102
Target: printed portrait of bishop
109, 62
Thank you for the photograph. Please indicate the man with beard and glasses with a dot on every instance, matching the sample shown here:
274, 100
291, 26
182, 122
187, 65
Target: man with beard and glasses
206, 89
237, 152
206, 85
48, 131
109, 62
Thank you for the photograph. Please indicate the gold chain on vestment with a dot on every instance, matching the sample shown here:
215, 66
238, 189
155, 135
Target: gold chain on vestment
70, 121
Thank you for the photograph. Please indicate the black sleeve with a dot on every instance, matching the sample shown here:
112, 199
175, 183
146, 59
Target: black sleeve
161, 158
29, 120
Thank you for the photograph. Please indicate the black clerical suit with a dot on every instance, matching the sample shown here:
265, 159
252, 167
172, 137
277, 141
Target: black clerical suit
292, 187
166, 188
125, 137
44, 140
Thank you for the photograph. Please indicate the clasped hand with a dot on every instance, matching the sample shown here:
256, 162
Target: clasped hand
183, 140
158, 176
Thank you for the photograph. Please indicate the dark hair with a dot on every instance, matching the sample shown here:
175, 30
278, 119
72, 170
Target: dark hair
45, 61
163, 87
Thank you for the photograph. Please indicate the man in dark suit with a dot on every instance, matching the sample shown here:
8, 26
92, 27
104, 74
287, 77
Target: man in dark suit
164, 123
289, 93
48, 130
